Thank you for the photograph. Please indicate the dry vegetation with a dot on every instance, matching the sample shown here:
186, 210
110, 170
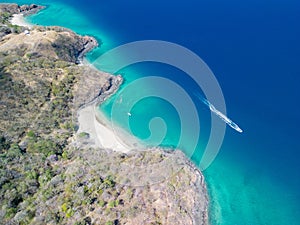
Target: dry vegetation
44, 179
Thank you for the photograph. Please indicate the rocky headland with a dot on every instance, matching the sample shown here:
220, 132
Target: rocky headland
23, 9
50, 173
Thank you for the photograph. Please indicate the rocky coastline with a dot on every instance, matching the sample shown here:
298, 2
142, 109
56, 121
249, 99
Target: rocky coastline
42, 88
26, 10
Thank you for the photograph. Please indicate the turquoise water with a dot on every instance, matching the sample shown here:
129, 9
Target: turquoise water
253, 49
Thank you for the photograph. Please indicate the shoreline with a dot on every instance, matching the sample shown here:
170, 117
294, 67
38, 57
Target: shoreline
100, 129
93, 121
101, 132
19, 20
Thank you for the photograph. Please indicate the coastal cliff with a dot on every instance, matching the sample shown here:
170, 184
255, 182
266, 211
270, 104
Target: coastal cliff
46, 177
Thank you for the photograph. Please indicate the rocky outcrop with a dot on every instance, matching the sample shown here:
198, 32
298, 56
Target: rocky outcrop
95, 88
9, 8
88, 44
30, 9
24, 9
73, 47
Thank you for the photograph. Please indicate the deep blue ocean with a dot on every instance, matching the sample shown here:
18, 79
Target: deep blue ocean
253, 49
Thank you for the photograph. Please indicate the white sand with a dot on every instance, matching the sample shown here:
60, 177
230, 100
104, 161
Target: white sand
94, 122
18, 19
101, 132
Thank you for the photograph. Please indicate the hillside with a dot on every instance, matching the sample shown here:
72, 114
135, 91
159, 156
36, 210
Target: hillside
45, 178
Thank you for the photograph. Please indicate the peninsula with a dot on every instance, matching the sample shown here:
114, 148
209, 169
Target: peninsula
53, 170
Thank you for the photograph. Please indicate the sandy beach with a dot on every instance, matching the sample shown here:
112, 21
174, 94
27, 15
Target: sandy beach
101, 132
18, 19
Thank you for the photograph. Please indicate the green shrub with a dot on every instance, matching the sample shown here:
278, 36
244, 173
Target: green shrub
65, 155
45, 177
102, 203
129, 193
46, 147
14, 151
31, 134
111, 204
109, 182
32, 175
69, 213
4, 16
64, 207
100, 191
10, 213
83, 135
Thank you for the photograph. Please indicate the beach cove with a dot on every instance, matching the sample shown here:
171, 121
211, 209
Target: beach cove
250, 165
46, 54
